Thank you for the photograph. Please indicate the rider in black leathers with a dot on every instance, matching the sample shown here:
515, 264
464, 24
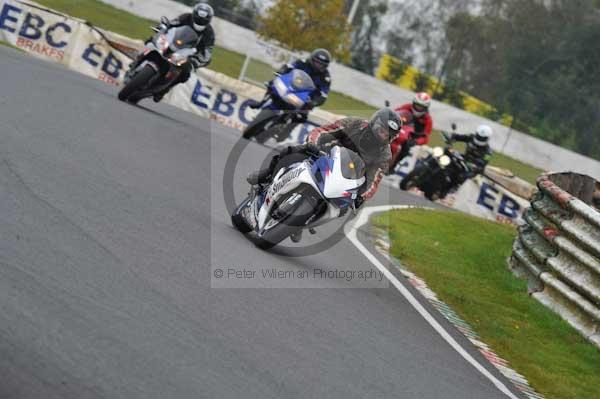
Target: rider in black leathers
478, 151
370, 139
199, 20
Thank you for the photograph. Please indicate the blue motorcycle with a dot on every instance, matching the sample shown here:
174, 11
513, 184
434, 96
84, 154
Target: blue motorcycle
282, 107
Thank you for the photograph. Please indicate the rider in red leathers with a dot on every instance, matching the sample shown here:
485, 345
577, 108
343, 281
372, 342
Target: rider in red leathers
417, 127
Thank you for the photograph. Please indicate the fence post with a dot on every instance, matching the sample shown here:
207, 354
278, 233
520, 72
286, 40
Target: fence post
242, 76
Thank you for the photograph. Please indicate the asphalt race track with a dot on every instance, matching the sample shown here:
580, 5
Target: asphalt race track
112, 223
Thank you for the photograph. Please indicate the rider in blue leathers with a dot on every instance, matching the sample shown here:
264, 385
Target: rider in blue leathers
316, 67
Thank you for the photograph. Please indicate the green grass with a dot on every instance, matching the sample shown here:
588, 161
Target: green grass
104, 16
463, 259
230, 63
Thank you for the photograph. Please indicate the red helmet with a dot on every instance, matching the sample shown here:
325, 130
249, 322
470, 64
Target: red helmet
420, 104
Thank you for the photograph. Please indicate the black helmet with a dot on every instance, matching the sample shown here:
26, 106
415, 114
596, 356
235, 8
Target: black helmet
384, 126
320, 59
202, 15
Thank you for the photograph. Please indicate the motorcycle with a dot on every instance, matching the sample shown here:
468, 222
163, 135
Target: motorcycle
287, 95
443, 171
304, 195
163, 58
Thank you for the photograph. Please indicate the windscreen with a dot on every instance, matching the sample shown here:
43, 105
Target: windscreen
302, 81
184, 37
352, 165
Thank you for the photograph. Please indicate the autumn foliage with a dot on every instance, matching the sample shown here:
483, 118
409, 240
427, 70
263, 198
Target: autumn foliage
303, 25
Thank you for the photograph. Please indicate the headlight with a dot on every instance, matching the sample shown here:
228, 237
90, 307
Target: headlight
280, 87
438, 152
445, 161
294, 100
162, 43
178, 59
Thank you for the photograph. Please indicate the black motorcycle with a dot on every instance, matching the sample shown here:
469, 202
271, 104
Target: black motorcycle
443, 171
162, 62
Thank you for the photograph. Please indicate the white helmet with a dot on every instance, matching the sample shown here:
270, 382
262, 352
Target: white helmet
482, 135
420, 104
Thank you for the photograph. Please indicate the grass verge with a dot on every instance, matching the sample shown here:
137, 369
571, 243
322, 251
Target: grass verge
463, 259
230, 63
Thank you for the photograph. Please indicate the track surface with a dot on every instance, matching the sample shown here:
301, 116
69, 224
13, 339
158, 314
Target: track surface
111, 219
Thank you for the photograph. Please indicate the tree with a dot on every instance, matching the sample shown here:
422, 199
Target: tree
416, 32
368, 19
537, 60
302, 25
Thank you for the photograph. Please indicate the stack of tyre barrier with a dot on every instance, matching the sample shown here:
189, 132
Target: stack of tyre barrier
558, 250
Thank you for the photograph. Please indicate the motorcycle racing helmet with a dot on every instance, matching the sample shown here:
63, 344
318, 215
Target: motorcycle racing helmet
420, 104
482, 135
383, 127
202, 14
320, 59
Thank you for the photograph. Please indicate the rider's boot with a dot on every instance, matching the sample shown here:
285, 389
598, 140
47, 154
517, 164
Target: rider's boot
159, 96
263, 176
253, 104
259, 177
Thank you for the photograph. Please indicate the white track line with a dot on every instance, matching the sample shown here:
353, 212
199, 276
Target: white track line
351, 230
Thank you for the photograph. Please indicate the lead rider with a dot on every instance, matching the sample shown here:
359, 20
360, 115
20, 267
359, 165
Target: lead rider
370, 139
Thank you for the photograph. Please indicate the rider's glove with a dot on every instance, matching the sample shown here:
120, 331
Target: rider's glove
312, 149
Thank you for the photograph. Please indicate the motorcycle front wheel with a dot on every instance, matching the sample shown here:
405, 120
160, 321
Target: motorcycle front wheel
413, 179
137, 82
238, 221
290, 223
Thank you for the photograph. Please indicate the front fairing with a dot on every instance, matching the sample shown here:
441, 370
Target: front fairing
293, 88
325, 174
176, 45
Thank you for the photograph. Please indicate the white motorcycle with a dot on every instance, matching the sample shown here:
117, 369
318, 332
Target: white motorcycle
302, 196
